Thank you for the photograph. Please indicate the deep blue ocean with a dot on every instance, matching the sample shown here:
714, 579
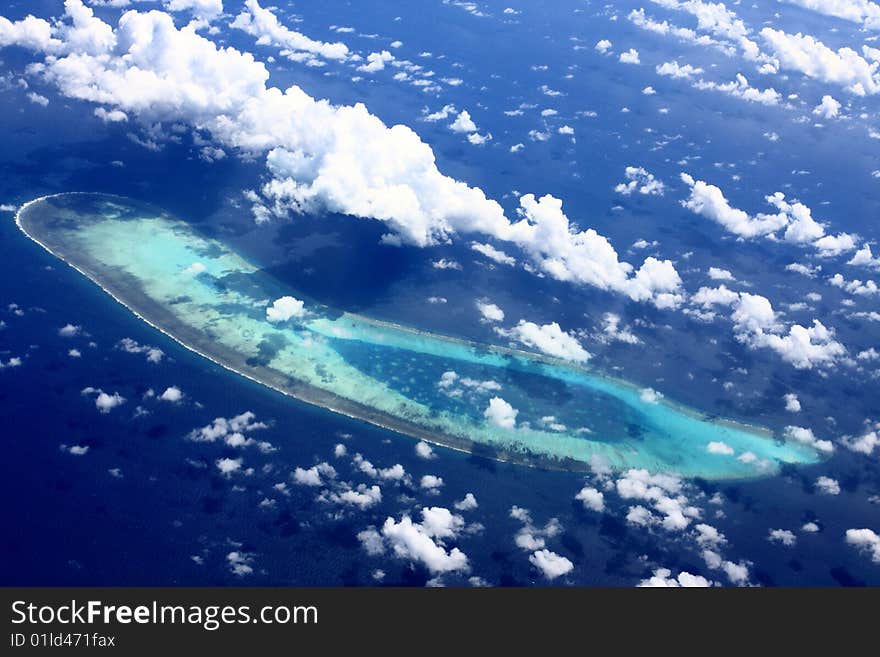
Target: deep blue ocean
146, 506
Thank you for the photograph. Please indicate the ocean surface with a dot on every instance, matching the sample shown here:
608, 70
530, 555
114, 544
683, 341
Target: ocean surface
148, 503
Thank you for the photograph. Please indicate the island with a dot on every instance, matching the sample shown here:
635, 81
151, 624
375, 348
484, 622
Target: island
443, 390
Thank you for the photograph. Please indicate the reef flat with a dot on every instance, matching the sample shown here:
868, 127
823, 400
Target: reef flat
202, 294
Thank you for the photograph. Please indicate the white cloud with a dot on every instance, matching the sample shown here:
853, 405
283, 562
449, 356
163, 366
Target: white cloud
591, 498
549, 339
284, 309
424, 450
807, 437
468, 503
493, 254
490, 312
740, 87
676, 70
153, 354
463, 123
631, 56
431, 482
551, 564
807, 55
319, 156
717, 274
500, 413
228, 466
603, 46
827, 486
792, 403
662, 578
866, 443
829, 108
172, 394
640, 180
866, 540
423, 542
856, 11
106, 403
263, 24
309, 477
719, 447
650, 396
612, 331
784, 536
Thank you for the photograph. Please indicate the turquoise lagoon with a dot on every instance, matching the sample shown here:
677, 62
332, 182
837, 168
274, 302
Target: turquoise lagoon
211, 300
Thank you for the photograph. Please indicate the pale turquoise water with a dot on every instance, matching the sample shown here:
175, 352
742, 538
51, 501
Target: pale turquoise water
387, 374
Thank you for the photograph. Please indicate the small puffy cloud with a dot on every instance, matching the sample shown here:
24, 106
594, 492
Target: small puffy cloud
719, 447
172, 394
829, 108
552, 565
106, 402
490, 312
783, 536
792, 403
153, 354
468, 503
591, 499
650, 396
425, 451
662, 578
549, 339
431, 482
827, 486
307, 477
70, 331
463, 123
717, 274
284, 309
641, 181
423, 542
376, 61
807, 437
866, 540
228, 466
603, 46
500, 413
631, 56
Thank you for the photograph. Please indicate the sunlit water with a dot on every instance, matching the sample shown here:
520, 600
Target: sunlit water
214, 302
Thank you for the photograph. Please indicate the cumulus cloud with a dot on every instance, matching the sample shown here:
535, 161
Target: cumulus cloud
265, 26
866, 540
662, 578
319, 156
490, 312
856, 11
420, 542
809, 56
547, 338
794, 217
829, 108
172, 394
284, 309
591, 499
807, 437
631, 56
827, 486
551, 564
639, 180
501, 413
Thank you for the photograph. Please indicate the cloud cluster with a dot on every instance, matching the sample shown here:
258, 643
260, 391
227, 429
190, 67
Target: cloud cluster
420, 542
319, 156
